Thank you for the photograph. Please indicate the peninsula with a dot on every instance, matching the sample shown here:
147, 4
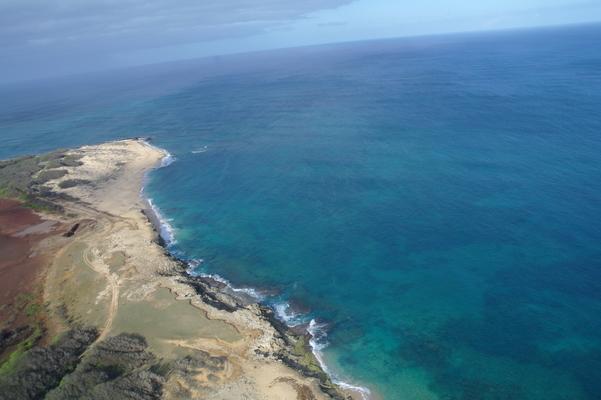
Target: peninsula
93, 306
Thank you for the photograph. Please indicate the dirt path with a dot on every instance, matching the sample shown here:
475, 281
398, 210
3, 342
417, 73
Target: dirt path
163, 308
105, 225
112, 282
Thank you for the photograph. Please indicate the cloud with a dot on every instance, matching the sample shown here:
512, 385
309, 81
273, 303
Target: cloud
138, 24
332, 24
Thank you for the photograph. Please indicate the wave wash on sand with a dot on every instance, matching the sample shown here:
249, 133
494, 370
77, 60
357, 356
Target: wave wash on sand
122, 315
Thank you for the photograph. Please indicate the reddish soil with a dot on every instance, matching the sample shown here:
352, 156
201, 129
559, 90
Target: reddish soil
21, 266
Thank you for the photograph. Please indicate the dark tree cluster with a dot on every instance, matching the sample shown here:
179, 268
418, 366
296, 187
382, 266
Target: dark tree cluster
41, 369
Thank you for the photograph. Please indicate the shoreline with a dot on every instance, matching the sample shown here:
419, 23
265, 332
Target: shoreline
111, 282
129, 304
166, 238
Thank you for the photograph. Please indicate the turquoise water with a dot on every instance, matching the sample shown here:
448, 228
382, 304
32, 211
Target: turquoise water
433, 203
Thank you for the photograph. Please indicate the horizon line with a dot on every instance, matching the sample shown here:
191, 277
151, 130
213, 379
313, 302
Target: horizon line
281, 49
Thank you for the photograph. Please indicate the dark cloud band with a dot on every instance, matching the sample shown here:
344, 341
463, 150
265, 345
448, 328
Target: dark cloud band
143, 23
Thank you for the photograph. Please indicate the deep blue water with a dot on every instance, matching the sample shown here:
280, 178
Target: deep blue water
434, 202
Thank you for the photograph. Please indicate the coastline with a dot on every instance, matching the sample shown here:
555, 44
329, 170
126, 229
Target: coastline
113, 277
279, 318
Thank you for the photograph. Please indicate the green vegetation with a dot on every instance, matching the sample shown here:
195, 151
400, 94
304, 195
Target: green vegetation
22, 339
33, 310
28, 302
9, 365
4, 192
23, 299
24, 178
119, 367
32, 372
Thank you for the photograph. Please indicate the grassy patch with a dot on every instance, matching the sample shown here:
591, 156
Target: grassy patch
23, 178
28, 303
33, 309
41, 206
23, 299
7, 191
9, 365
4, 192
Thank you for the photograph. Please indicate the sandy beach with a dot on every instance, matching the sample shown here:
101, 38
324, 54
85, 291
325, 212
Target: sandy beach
105, 269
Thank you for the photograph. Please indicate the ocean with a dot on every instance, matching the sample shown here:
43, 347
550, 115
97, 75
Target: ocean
431, 205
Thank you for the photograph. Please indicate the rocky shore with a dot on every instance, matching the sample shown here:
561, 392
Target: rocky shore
120, 317
295, 352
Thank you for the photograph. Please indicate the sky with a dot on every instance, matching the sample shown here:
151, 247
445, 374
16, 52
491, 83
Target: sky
41, 38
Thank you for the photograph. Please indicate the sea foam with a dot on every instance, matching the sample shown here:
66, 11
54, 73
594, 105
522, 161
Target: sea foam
318, 342
167, 160
201, 150
318, 333
166, 230
193, 266
285, 314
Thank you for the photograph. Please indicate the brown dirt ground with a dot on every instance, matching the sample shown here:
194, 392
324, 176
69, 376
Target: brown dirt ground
22, 264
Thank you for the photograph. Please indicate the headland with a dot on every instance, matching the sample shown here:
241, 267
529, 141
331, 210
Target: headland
94, 304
